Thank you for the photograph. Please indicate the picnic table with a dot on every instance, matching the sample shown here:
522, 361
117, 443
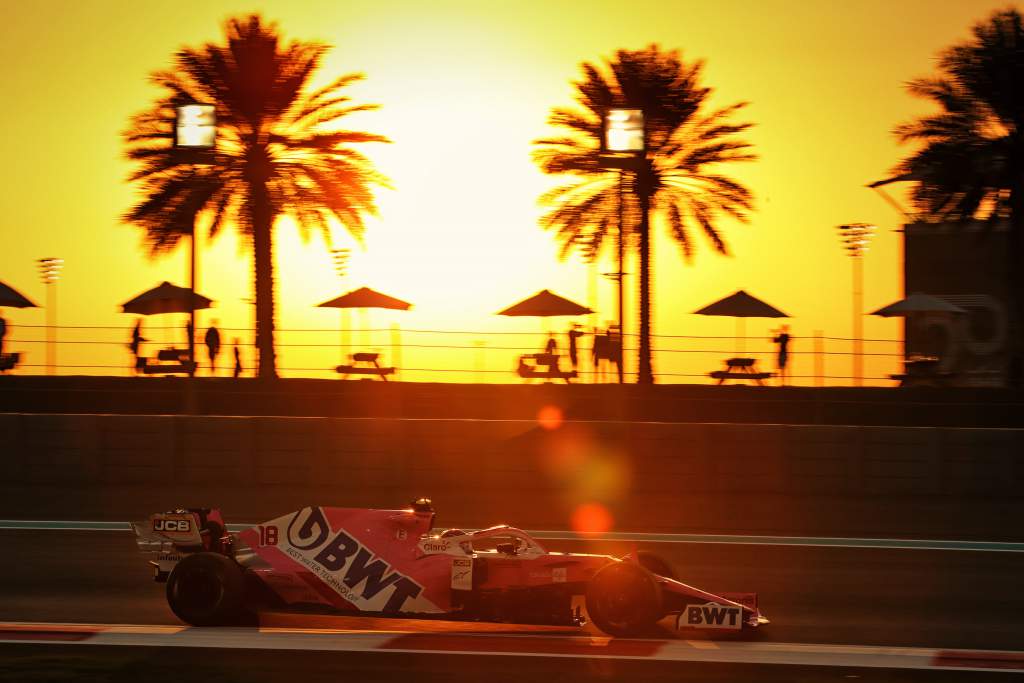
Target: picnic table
922, 371
170, 361
744, 369
8, 361
364, 364
543, 366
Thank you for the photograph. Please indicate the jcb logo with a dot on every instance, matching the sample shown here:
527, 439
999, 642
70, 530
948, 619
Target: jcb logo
172, 525
711, 615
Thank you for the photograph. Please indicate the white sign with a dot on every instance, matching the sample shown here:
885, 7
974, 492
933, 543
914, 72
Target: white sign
711, 615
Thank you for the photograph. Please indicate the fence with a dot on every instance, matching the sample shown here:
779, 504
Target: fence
455, 355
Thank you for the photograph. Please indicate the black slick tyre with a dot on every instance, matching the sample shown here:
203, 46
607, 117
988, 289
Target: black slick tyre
624, 599
207, 589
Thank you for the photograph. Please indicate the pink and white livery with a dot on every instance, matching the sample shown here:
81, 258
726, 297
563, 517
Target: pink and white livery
392, 563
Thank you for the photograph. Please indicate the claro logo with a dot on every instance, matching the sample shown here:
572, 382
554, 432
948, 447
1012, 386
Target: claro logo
346, 565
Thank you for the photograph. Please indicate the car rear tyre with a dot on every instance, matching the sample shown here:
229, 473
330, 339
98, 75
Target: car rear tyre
206, 589
624, 599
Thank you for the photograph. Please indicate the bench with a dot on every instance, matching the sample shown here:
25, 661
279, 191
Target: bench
370, 366
740, 369
169, 362
8, 361
527, 372
175, 355
346, 370
183, 368
549, 362
932, 379
722, 375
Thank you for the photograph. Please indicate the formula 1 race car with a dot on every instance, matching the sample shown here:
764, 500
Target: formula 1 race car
391, 563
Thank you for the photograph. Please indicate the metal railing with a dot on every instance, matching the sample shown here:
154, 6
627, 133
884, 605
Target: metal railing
455, 355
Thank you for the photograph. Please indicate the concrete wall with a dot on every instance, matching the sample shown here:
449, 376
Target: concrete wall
731, 478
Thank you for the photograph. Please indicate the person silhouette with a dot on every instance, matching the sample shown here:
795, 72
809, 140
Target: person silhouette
238, 360
136, 343
574, 334
213, 346
3, 332
782, 339
599, 354
614, 348
551, 349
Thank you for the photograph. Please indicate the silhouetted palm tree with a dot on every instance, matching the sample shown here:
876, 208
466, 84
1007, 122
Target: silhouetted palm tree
679, 180
970, 164
277, 153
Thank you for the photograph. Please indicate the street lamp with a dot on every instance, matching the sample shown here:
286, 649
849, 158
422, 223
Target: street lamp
855, 238
195, 126
624, 146
341, 257
49, 271
195, 140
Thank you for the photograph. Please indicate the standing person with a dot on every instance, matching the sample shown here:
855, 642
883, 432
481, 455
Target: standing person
551, 349
3, 333
615, 348
136, 343
238, 360
574, 334
782, 339
599, 354
213, 346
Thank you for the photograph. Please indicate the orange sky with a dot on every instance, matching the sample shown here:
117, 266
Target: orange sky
465, 86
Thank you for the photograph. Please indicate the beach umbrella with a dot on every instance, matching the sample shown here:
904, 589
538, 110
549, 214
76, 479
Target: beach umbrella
165, 298
918, 303
12, 298
915, 309
545, 304
364, 297
741, 306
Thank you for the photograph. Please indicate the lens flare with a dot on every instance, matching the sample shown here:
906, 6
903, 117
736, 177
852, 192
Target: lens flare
591, 518
550, 417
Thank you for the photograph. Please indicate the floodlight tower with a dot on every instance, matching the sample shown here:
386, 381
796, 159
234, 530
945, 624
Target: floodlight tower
855, 238
49, 271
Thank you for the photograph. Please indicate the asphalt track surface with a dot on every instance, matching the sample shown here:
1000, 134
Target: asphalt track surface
855, 596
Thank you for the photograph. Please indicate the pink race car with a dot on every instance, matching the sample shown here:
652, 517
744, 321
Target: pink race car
391, 563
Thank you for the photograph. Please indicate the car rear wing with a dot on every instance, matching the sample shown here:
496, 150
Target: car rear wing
166, 537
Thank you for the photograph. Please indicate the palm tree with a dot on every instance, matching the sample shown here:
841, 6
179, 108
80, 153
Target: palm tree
277, 153
970, 162
678, 180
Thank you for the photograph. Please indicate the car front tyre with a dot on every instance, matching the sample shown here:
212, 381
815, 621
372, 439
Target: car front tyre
624, 599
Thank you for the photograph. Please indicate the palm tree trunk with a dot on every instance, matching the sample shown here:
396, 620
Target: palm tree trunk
646, 372
262, 215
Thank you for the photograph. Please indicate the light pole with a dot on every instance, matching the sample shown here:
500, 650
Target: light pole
195, 139
49, 271
855, 238
341, 257
623, 146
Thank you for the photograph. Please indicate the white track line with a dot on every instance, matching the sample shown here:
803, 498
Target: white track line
628, 537
789, 654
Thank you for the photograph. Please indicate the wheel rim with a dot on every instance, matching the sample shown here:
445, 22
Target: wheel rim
622, 605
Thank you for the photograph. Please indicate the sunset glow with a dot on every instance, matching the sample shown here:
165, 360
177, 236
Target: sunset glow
464, 88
